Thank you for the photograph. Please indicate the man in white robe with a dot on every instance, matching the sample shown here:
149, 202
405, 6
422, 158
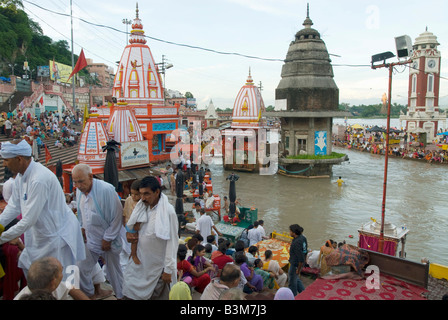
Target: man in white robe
49, 226
157, 244
100, 213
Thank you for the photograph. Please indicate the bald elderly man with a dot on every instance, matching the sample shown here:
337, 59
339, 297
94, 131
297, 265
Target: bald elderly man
48, 224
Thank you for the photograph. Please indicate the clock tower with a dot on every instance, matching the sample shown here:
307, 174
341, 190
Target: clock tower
423, 114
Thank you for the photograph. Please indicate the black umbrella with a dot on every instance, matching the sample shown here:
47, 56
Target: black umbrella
179, 192
110, 167
232, 194
59, 171
195, 177
376, 129
201, 180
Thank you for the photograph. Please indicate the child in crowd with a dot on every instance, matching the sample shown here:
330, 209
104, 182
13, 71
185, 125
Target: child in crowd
129, 205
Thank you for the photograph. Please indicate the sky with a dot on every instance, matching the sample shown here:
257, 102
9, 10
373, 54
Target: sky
252, 35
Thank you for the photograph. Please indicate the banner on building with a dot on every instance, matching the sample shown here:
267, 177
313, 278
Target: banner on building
59, 72
43, 71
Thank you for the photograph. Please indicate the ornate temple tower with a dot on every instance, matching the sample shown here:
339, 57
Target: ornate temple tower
138, 79
423, 115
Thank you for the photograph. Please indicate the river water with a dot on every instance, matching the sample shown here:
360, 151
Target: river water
416, 199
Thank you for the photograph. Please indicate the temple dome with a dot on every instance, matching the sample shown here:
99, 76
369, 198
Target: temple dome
138, 79
248, 106
122, 125
307, 82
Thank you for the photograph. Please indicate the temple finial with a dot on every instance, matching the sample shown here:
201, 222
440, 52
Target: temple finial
307, 10
136, 11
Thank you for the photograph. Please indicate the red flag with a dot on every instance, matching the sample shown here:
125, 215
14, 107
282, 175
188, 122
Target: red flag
48, 156
41, 101
80, 64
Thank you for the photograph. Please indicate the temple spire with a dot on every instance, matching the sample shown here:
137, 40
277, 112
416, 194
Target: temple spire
308, 22
136, 10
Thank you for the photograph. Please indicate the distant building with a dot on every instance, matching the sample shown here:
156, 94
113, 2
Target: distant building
173, 96
102, 72
211, 117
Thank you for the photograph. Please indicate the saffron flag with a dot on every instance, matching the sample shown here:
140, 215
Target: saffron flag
80, 64
41, 101
48, 156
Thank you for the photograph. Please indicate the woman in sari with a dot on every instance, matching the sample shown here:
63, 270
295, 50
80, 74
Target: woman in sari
198, 261
187, 272
268, 277
272, 265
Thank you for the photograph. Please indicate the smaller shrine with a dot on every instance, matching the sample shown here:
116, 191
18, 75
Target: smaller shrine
211, 117
241, 142
369, 237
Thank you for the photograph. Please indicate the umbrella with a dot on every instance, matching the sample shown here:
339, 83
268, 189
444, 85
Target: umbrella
110, 166
194, 184
357, 127
201, 180
376, 129
59, 171
232, 194
179, 206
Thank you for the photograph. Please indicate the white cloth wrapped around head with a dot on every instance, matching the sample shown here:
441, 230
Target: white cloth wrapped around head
10, 150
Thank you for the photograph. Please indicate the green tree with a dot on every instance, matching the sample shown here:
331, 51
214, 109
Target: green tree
188, 95
15, 32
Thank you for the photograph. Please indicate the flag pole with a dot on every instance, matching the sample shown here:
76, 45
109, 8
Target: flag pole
73, 58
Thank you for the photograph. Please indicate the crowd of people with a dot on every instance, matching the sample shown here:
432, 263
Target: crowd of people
37, 130
402, 144
90, 236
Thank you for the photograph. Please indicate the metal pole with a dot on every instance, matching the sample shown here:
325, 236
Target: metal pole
73, 58
386, 165
383, 208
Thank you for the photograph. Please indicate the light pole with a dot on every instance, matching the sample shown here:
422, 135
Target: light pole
127, 22
12, 66
164, 66
404, 50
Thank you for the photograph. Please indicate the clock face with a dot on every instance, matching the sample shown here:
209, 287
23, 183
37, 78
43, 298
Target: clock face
431, 63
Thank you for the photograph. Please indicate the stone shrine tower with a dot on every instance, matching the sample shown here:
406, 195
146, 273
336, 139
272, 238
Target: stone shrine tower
307, 100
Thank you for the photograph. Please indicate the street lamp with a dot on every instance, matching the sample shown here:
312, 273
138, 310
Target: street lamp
164, 66
12, 66
127, 22
404, 50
